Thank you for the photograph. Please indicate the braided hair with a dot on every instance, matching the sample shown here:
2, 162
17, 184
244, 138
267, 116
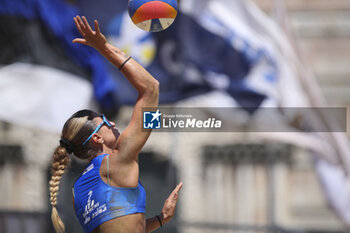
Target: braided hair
75, 131
59, 164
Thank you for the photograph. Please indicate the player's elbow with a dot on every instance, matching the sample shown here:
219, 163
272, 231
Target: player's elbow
150, 90
155, 84
153, 88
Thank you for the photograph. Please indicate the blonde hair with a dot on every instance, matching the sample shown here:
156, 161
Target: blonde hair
75, 131
59, 164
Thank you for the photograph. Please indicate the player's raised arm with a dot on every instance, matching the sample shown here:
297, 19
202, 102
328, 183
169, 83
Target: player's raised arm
133, 138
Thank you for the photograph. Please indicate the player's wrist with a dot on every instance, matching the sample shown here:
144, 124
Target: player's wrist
160, 219
104, 48
111, 48
110, 51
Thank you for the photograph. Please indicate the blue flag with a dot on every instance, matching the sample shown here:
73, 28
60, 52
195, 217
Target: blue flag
191, 59
41, 32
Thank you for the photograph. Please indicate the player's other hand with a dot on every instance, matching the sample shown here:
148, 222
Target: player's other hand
91, 38
169, 207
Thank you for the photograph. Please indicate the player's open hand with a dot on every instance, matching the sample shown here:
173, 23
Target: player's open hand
169, 207
91, 38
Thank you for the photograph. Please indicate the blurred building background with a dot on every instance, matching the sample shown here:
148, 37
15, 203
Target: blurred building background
233, 182
322, 30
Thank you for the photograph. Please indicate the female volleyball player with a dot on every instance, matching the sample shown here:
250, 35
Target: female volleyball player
108, 196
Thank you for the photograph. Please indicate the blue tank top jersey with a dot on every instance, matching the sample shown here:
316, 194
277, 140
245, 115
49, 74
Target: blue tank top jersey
96, 202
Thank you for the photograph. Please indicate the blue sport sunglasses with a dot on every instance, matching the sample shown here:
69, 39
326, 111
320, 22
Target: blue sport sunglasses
104, 121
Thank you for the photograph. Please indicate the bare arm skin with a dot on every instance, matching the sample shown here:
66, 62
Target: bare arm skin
124, 165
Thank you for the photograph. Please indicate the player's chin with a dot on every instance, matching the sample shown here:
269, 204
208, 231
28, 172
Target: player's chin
116, 133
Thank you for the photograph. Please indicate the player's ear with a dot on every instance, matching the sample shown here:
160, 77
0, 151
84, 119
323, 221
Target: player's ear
97, 138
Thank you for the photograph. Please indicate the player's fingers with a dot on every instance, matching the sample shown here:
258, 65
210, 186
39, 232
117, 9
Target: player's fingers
81, 24
87, 25
78, 26
174, 195
178, 187
80, 41
97, 27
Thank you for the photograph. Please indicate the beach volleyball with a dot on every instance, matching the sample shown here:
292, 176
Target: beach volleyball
152, 15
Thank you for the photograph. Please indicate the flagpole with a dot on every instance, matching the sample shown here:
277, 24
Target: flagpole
312, 89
